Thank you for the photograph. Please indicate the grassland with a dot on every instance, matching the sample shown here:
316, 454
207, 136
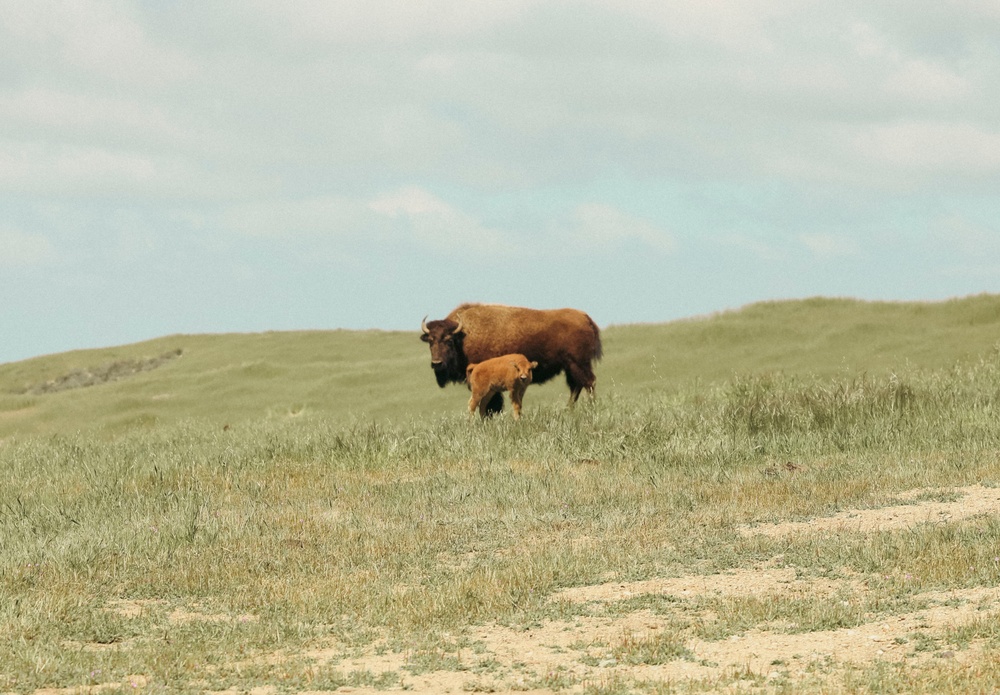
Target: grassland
371, 376
308, 511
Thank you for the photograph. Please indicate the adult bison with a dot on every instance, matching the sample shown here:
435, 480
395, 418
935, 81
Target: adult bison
559, 340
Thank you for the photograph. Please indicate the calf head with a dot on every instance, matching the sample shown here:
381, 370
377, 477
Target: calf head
522, 369
447, 356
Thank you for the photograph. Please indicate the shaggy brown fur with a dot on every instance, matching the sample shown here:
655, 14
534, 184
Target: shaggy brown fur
559, 340
507, 373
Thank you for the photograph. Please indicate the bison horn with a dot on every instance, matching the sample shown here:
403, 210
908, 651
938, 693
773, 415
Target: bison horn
458, 328
423, 326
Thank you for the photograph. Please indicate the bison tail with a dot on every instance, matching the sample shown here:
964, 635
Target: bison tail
598, 348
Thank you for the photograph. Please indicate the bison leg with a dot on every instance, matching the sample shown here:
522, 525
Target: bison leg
579, 378
495, 405
486, 402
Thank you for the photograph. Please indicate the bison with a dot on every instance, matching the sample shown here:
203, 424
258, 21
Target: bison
559, 340
487, 379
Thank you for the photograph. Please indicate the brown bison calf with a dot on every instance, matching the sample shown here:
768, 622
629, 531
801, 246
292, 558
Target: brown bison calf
490, 377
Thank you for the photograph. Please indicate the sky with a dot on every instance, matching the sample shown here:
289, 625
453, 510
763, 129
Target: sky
212, 166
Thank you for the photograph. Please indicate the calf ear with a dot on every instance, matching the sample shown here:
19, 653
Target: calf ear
534, 364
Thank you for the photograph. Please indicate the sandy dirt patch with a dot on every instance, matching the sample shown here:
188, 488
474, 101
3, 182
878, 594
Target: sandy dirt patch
972, 501
134, 608
736, 583
593, 649
567, 655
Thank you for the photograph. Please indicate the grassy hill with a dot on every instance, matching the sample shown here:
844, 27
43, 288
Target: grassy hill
352, 529
348, 376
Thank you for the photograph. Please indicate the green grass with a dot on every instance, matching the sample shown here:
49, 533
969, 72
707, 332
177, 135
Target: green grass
351, 502
374, 376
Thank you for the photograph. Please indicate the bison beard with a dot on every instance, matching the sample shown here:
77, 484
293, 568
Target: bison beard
560, 340
449, 363
449, 368
454, 365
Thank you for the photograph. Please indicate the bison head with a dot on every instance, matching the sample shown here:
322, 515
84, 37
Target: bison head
447, 357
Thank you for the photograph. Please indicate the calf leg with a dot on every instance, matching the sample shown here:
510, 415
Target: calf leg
515, 401
489, 402
486, 401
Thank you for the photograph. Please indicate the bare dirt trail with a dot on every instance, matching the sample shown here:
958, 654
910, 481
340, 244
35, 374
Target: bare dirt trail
971, 501
582, 650
593, 649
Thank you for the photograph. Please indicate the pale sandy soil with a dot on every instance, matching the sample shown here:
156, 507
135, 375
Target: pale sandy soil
582, 648
972, 501
568, 655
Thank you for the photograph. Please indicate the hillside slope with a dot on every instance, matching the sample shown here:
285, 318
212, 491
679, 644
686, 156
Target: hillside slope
813, 336
352, 376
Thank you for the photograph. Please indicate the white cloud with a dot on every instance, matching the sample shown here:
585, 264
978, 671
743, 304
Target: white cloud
957, 233
931, 148
39, 108
466, 129
868, 43
54, 169
384, 22
328, 215
755, 246
591, 227
20, 249
496, 93
431, 221
410, 213
97, 38
414, 202
828, 246
925, 81
40, 165
596, 226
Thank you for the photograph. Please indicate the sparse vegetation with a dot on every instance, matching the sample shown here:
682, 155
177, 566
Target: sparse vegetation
306, 551
102, 374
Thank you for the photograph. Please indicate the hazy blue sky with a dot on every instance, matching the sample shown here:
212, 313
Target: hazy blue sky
189, 167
